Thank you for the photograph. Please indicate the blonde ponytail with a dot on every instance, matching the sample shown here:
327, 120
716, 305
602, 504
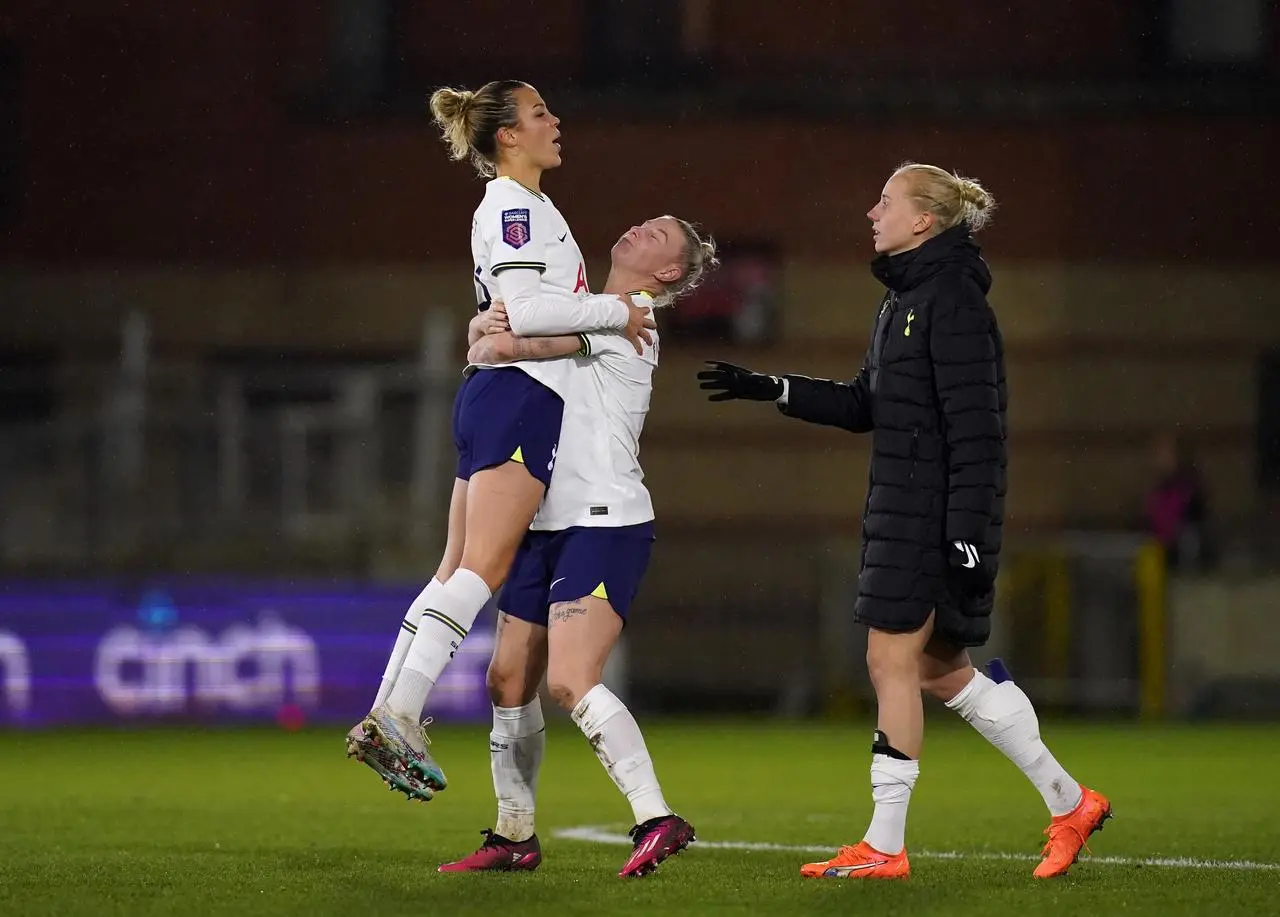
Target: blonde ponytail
449, 109
952, 198
469, 121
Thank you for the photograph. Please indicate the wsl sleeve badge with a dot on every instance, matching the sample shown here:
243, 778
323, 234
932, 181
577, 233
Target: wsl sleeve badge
515, 227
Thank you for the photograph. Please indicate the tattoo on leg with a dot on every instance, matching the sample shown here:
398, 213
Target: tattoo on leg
566, 610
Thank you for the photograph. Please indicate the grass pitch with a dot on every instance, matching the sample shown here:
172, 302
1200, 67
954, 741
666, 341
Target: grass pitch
222, 822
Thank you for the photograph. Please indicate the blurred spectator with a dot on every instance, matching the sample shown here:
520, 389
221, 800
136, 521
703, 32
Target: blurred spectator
1177, 506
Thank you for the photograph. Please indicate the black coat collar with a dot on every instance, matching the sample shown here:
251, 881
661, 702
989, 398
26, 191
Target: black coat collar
954, 247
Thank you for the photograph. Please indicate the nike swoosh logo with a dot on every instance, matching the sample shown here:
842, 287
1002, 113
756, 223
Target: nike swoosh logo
565, 236
560, 580
971, 564
841, 871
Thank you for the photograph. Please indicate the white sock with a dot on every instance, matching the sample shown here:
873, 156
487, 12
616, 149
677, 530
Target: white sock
408, 627
1005, 717
892, 781
515, 752
441, 629
615, 736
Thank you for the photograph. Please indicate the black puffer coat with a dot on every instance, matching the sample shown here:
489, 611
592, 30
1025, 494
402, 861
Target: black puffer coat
932, 393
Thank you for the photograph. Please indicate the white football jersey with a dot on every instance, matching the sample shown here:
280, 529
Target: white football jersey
515, 227
597, 480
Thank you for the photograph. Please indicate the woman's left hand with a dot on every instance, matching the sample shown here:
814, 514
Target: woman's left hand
496, 320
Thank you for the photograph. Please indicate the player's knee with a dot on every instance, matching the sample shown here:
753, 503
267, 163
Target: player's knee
506, 685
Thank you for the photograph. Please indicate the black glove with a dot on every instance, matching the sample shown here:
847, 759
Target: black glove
967, 571
729, 382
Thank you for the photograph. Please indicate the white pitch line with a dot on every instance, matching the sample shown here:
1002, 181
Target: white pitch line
594, 834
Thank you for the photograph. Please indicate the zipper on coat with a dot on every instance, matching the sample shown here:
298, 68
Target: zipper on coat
883, 323
915, 452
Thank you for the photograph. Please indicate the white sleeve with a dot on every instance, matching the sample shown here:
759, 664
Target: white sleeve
516, 238
534, 313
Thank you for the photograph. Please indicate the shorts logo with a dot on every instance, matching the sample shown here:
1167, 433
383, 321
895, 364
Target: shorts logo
515, 227
552, 464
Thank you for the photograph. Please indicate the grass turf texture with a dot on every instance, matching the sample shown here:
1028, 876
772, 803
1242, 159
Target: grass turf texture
203, 822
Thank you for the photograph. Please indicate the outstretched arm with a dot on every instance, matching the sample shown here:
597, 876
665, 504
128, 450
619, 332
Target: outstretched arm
846, 405
838, 404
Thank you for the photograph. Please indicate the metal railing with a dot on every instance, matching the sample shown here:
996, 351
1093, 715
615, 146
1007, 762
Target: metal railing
143, 457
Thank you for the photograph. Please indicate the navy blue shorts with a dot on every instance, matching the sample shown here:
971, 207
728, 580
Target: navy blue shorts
552, 567
503, 415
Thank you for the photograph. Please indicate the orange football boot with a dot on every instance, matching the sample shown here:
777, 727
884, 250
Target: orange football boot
861, 861
1068, 833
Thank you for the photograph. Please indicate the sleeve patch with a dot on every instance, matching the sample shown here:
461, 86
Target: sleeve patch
515, 227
